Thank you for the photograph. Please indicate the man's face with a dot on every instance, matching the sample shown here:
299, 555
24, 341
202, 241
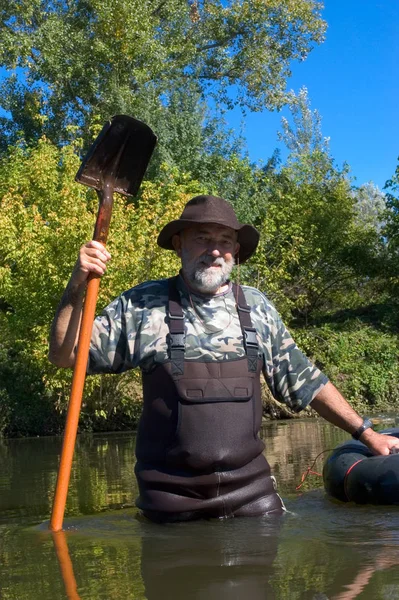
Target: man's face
207, 254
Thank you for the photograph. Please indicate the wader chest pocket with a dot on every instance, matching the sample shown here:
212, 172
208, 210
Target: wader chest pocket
216, 425
215, 390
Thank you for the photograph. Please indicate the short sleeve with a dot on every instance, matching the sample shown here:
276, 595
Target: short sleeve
113, 338
293, 378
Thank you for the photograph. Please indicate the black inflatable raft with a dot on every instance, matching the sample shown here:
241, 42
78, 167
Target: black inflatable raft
353, 474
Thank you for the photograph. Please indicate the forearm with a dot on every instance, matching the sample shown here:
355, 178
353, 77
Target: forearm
331, 405
66, 324
65, 328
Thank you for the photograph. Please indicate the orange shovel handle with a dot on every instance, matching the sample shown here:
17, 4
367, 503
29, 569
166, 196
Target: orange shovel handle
75, 402
79, 373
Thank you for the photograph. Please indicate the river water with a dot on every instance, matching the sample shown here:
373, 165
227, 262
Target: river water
319, 550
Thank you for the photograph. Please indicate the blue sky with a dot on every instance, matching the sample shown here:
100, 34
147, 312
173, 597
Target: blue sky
352, 80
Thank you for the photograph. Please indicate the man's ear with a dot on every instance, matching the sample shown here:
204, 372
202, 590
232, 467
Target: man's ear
176, 243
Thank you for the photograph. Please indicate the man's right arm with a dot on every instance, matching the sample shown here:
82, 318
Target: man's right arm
93, 258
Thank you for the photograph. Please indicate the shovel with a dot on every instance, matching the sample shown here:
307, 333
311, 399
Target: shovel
116, 162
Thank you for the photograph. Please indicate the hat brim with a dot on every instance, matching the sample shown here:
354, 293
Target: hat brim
247, 236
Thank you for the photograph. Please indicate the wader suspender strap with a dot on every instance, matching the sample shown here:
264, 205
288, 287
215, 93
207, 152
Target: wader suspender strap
249, 333
177, 335
176, 329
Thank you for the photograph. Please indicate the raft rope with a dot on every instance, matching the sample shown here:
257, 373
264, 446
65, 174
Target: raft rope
309, 469
346, 477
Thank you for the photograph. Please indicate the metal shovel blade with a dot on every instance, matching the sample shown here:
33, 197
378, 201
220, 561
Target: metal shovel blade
122, 151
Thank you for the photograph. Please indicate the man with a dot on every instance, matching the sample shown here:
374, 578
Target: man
202, 343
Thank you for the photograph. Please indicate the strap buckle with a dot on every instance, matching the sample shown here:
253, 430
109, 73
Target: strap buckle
250, 340
246, 309
177, 341
176, 317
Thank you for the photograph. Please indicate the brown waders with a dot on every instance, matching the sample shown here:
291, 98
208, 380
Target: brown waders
198, 448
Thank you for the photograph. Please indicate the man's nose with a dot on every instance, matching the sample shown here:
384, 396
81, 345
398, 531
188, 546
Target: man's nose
214, 251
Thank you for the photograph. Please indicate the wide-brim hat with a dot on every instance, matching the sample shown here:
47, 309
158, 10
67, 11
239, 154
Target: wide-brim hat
210, 209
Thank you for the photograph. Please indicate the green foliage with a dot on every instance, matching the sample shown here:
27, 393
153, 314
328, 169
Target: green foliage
84, 61
26, 406
45, 217
360, 359
392, 205
304, 137
370, 205
391, 233
315, 253
324, 246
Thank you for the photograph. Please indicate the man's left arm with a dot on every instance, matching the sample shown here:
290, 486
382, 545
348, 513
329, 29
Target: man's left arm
333, 407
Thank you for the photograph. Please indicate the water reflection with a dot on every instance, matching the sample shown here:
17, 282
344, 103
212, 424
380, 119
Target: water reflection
247, 558
65, 563
103, 469
320, 549
211, 560
363, 577
336, 551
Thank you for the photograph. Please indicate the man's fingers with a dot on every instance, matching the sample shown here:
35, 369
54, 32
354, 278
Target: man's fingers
95, 250
93, 258
87, 259
93, 265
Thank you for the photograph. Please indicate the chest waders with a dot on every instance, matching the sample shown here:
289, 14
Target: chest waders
198, 448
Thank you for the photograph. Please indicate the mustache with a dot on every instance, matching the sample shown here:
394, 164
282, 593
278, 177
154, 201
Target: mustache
211, 260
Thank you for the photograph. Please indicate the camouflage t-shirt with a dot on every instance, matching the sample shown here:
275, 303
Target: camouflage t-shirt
131, 332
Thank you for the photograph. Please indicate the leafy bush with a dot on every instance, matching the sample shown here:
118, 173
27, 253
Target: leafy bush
305, 262
45, 217
362, 361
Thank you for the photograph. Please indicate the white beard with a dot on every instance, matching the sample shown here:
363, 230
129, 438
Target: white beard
204, 278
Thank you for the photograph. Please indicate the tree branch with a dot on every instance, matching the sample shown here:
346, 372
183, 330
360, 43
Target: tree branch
158, 9
223, 42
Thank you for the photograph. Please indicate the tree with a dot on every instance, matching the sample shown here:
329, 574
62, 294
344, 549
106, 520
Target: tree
315, 252
45, 217
304, 136
370, 205
391, 233
392, 212
77, 62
